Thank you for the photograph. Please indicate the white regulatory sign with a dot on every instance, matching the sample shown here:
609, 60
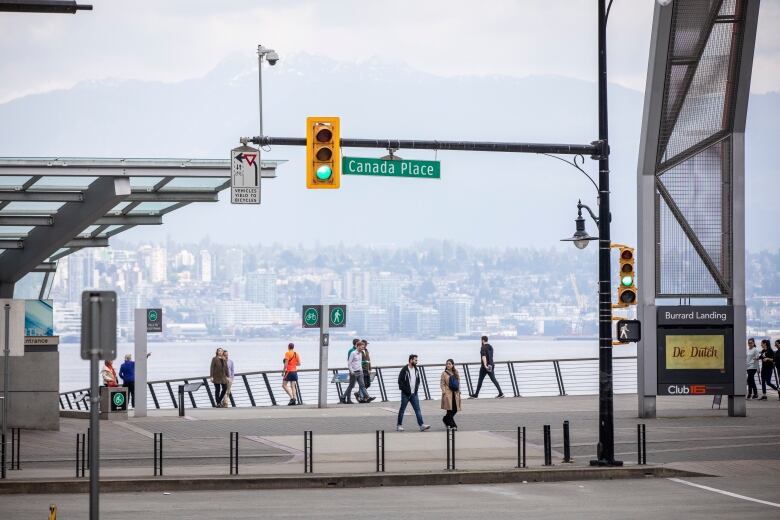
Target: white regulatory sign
245, 175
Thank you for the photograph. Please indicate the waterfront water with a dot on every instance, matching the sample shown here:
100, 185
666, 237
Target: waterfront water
184, 359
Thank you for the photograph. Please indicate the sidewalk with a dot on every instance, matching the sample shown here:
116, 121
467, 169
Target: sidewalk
690, 435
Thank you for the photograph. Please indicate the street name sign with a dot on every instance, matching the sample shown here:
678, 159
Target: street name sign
245, 175
312, 316
391, 168
153, 320
338, 315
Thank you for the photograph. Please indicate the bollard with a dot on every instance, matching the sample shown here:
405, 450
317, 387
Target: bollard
308, 455
81, 457
380, 451
181, 400
2, 456
641, 444
547, 446
234, 453
450, 448
16, 448
521, 447
52, 511
566, 443
158, 454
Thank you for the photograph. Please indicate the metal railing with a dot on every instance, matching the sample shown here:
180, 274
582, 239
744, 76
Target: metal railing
517, 378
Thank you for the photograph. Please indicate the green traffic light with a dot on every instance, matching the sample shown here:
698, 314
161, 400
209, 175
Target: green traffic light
627, 281
324, 172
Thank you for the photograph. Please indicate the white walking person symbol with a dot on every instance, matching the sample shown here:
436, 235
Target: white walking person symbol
624, 331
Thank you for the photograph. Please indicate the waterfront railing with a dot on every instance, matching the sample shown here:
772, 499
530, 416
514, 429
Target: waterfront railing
528, 378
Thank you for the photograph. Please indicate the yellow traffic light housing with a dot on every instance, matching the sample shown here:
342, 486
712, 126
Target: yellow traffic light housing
627, 294
323, 153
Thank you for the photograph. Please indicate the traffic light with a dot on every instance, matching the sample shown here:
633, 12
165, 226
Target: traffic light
626, 277
323, 153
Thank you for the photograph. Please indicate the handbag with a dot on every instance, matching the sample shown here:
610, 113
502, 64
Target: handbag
454, 384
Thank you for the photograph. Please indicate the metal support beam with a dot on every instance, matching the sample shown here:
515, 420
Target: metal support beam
465, 146
45, 267
80, 167
6, 243
129, 220
87, 242
24, 220
102, 195
43, 6
41, 196
173, 196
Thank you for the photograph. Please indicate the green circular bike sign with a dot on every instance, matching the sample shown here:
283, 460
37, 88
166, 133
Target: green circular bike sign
119, 399
311, 317
153, 316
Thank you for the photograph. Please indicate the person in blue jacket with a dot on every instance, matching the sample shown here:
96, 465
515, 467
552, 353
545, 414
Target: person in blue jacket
127, 373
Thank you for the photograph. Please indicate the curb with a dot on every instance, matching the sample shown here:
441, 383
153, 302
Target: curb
362, 480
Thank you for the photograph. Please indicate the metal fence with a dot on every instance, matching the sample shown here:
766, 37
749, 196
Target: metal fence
517, 378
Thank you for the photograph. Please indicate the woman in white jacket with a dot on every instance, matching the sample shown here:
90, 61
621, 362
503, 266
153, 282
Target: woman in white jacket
752, 367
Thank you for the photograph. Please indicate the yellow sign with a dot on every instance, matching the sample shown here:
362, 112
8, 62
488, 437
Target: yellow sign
696, 352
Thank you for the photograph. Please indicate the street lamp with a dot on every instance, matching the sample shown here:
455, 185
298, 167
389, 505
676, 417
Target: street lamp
581, 237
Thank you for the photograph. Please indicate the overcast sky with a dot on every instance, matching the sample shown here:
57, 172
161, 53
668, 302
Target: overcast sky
171, 40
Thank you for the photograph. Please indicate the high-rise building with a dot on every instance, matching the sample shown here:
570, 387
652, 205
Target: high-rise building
385, 290
261, 288
158, 265
418, 321
455, 314
205, 266
233, 263
369, 320
81, 274
356, 286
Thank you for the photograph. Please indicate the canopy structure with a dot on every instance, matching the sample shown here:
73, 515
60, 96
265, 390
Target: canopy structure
52, 207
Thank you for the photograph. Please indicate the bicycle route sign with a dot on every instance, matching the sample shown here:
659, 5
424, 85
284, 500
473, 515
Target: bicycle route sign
118, 402
312, 316
153, 320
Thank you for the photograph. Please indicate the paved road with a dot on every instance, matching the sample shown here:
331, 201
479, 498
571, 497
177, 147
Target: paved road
601, 500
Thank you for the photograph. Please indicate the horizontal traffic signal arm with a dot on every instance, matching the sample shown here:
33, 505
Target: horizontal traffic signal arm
594, 149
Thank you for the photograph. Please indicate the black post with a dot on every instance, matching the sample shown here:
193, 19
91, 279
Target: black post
639, 444
380, 451
308, 455
181, 400
16, 448
158, 454
644, 445
450, 448
566, 443
234, 453
547, 447
2, 456
606, 447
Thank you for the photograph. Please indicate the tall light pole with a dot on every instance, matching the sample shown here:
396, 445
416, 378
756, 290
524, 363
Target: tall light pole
263, 53
605, 451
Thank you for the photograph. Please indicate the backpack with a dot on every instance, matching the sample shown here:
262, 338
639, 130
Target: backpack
454, 384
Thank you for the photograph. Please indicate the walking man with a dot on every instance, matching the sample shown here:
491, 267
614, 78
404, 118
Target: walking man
355, 366
290, 375
231, 375
751, 362
409, 383
486, 368
127, 373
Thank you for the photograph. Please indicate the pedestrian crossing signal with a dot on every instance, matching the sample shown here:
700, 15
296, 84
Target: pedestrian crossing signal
323, 153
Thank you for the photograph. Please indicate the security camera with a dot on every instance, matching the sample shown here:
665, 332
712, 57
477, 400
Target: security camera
272, 57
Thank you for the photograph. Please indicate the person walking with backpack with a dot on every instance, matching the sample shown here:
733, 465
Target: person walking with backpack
450, 393
409, 383
486, 368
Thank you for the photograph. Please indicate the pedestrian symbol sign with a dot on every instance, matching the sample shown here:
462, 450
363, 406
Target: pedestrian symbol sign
338, 315
629, 331
311, 316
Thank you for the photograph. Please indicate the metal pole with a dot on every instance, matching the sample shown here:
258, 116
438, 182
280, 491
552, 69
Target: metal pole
606, 446
260, 87
94, 410
566, 443
322, 396
181, 400
6, 377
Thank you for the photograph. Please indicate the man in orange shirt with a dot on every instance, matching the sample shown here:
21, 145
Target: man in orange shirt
291, 362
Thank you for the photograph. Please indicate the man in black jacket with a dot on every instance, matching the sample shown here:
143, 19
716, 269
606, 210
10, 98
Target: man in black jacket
486, 368
408, 383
